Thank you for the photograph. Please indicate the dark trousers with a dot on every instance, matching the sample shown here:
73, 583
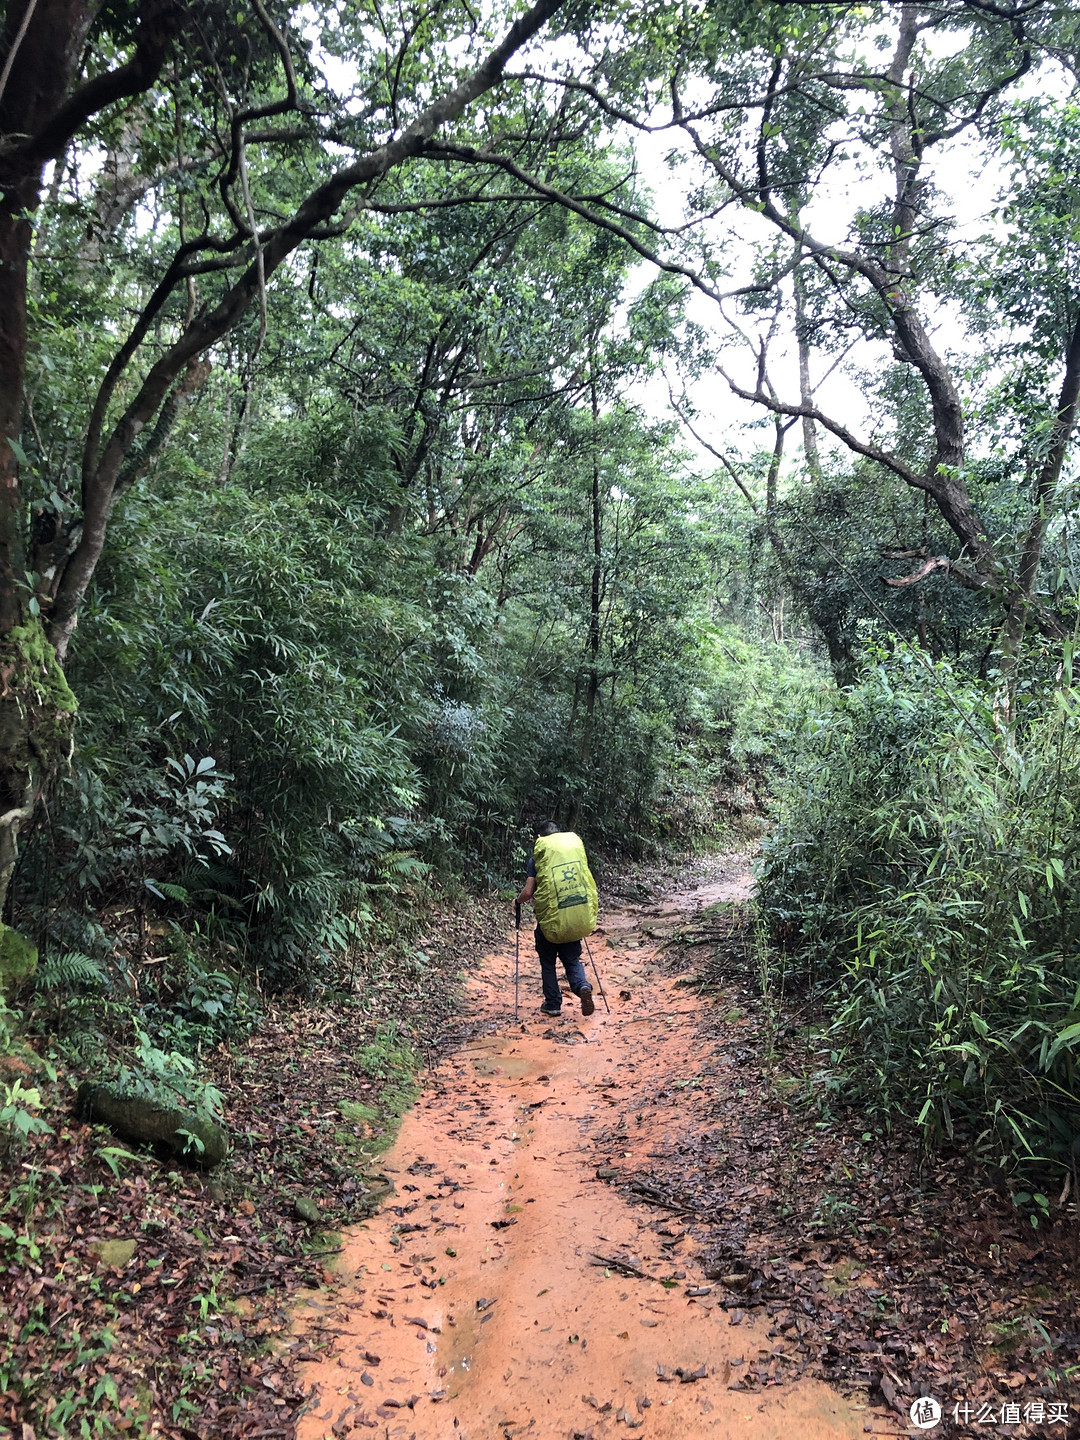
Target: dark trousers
570, 955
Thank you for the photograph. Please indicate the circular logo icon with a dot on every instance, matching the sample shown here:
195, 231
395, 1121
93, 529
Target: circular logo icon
925, 1412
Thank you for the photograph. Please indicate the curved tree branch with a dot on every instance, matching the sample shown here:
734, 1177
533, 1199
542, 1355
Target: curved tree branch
315, 211
811, 412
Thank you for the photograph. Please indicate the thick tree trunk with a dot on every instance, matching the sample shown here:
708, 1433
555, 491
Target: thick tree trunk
39, 48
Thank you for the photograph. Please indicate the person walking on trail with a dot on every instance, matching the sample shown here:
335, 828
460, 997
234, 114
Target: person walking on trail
562, 890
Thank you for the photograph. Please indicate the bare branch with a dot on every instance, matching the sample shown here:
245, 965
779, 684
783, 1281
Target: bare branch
811, 412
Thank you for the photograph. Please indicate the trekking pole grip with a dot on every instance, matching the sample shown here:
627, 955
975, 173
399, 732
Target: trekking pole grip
517, 914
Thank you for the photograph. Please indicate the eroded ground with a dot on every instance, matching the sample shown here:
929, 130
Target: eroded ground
508, 1288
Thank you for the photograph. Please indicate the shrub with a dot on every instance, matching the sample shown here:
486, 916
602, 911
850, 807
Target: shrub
922, 876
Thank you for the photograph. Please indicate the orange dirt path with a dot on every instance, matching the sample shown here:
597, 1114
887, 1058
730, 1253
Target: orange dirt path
491, 1315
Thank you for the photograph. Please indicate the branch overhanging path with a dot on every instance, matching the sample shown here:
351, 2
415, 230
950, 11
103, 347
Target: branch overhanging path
103, 461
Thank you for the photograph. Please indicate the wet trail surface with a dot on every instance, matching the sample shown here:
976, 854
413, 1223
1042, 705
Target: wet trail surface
506, 1290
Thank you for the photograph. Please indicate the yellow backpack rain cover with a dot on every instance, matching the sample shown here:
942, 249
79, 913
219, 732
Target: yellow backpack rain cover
566, 903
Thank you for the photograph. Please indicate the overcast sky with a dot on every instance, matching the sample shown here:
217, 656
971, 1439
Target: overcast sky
962, 175
958, 172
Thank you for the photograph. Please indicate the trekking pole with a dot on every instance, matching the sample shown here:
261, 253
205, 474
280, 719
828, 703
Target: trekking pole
596, 972
517, 943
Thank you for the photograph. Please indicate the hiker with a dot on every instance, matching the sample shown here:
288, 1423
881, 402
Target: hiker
561, 888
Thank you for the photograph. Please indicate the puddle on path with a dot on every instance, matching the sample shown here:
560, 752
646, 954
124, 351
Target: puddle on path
481, 1309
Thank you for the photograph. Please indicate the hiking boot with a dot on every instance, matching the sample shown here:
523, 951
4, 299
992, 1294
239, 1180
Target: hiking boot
546, 1009
585, 996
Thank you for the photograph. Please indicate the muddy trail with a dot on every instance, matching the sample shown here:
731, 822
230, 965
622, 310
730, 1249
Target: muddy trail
508, 1288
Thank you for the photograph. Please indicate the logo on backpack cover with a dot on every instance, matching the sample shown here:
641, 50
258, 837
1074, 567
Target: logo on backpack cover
569, 881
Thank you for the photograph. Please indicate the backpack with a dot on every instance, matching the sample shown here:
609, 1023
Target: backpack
565, 901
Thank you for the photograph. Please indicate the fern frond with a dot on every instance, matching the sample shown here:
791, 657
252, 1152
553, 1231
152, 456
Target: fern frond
400, 862
70, 971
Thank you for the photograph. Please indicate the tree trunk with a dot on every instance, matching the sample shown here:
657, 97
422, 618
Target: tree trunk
592, 683
1012, 631
806, 389
39, 46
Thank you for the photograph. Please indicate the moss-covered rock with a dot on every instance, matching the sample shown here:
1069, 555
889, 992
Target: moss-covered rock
18, 960
114, 1252
148, 1122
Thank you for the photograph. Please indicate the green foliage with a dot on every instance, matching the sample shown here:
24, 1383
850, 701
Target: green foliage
168, 1077
19, 1102
923, 877
391, 1059
214, 1003
69, 972
19, 1119
759, 688
18, 959
841, 531
71, 987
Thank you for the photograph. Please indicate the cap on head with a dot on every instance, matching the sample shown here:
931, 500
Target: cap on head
547, 827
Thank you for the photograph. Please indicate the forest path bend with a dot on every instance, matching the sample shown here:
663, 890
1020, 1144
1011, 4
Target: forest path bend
475, 1305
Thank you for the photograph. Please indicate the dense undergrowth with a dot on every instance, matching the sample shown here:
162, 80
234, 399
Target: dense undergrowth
921, 877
